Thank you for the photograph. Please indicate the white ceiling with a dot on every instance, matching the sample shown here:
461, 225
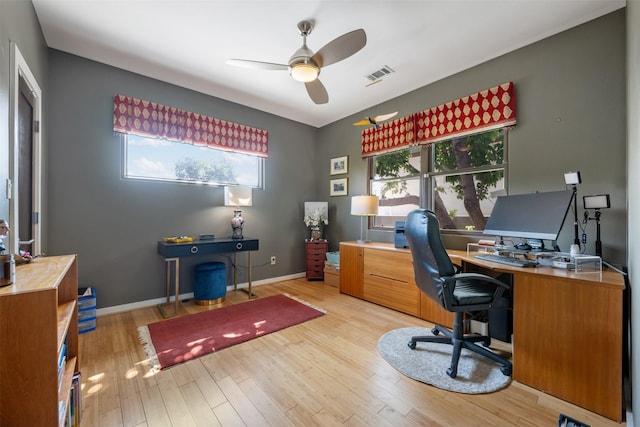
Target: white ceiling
186, 42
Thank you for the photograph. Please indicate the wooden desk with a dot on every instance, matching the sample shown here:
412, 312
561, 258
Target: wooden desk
172, 252
567, 326
567, 333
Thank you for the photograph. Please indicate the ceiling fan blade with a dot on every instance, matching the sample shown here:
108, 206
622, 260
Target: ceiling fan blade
383, 117
340, 48
256, 65
317, 92
362, 122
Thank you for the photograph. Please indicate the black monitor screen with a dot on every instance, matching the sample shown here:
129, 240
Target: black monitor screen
529, 216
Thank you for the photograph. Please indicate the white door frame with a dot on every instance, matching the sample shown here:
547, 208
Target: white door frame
20, 69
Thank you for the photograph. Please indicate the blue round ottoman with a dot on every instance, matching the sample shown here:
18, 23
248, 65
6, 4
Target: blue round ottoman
210, 283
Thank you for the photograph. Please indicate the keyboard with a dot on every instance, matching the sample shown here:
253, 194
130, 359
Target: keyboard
507, 260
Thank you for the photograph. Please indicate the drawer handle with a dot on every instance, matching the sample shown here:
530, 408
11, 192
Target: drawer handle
239, 246
194, 249
388, 278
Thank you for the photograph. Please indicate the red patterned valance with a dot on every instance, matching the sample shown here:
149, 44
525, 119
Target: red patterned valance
391, 136
490, 109
145, 118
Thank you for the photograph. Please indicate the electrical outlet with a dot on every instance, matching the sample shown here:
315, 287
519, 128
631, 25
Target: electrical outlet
273, 260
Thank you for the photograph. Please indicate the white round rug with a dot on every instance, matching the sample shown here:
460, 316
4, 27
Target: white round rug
429, 362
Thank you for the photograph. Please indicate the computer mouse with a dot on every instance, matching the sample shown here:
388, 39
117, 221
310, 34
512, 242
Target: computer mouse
524, 246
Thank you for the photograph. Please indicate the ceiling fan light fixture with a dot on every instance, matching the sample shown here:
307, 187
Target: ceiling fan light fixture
304, 72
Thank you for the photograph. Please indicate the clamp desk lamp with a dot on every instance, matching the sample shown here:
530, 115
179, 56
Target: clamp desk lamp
573, 178
597, 202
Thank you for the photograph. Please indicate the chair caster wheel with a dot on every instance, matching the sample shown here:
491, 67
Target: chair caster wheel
506, 371
435, 331
411, 345
451, 373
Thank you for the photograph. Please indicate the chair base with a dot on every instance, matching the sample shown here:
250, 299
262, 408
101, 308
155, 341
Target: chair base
459, 341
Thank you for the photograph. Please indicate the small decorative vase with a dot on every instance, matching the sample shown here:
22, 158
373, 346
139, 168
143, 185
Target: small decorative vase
236, 224
316, 234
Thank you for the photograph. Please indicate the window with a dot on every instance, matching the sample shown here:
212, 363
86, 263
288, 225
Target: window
463, 177
163, 160
396, 182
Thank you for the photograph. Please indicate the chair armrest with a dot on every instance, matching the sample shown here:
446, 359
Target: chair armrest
449, 284
457, 267
479, 276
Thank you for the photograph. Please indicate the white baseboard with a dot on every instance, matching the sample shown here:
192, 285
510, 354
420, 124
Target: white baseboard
151, 302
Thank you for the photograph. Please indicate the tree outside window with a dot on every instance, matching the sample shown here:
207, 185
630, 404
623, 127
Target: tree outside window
465, 175
163, 160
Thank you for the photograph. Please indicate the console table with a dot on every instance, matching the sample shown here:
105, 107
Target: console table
172, 252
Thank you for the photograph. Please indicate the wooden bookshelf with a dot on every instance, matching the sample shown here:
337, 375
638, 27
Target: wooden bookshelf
38, 314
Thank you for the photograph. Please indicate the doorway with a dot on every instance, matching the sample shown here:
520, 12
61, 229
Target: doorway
25, 171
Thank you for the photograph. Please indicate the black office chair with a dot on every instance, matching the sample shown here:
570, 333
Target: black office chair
441, 280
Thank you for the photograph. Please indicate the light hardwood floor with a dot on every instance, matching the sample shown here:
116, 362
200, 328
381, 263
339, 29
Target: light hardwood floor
324, 372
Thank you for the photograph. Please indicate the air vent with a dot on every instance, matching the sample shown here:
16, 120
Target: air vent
378, 74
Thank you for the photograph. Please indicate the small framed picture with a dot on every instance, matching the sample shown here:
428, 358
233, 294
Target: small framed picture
338, 187
339, 165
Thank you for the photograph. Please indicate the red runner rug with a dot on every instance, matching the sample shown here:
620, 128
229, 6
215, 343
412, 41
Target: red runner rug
173, 341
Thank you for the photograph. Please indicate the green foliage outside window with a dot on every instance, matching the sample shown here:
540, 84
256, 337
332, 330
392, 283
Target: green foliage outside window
204, 170
467, 168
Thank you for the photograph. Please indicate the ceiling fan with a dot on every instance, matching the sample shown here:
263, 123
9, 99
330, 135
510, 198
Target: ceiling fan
375, 120
304, 65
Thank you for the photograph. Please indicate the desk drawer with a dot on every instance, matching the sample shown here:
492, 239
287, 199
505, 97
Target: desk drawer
393, 265
174, 250
398, 295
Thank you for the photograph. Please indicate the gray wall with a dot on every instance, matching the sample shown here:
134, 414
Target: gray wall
114, 224
570, 92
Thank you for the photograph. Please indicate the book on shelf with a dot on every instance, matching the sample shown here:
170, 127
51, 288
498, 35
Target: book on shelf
76, 399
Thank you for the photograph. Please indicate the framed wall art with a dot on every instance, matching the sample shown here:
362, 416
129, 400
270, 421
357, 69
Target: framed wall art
339, 165
338, 187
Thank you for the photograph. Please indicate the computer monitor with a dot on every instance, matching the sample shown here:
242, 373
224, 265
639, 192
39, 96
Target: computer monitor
530, 216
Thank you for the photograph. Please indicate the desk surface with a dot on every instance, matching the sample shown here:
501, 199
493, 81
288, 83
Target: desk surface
606, 277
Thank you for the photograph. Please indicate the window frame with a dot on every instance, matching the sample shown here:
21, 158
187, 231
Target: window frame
124, 157
428, 175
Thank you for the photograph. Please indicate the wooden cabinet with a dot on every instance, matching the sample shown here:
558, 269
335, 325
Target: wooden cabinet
388, 280
351, 266
38, 315
316, 251
383, 274
568, 339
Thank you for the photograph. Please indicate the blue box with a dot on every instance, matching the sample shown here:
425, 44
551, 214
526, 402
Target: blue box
86, 309
87, 325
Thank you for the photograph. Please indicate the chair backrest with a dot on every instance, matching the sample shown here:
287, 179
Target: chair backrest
430, 259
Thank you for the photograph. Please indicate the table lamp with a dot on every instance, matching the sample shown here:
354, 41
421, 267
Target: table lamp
237, 196
364, 206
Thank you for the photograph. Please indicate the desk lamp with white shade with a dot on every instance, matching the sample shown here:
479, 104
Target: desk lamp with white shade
363, 206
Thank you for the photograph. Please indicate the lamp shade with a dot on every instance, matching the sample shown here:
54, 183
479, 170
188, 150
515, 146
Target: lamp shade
364, 205
237, 196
